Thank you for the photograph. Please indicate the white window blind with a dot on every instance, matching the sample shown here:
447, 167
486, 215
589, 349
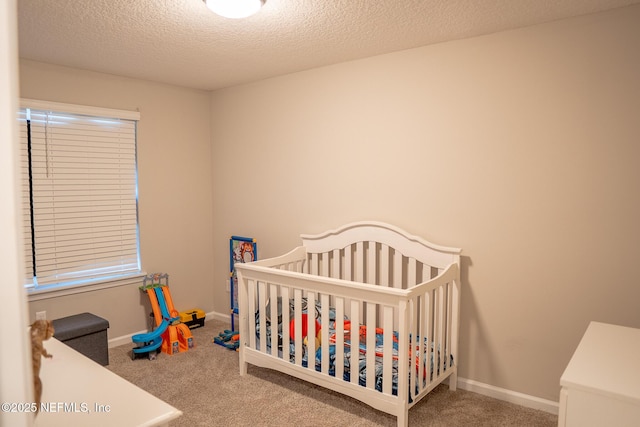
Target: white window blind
79, 197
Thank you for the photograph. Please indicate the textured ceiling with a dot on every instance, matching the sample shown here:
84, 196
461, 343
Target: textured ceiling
181, 42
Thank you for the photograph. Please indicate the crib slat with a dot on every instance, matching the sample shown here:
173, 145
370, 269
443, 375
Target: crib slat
297, 324
273, 300
384, 265
371, 345
397, 269
411, 273
286, 354
437, 341
347, 273
348, 264
313, 268
387, 357
324, 332
262, 293
428, 334
413, 341
372, 262
359, 262
383, 280
421, 348
251, 299
354, 338
311, 327
443, 319
324, 259
339, 343
403, 354
426, 273
335, 268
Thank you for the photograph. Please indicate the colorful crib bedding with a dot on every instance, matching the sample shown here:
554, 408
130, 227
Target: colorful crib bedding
355, 348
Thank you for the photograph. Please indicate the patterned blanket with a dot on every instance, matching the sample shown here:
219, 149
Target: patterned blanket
353, 343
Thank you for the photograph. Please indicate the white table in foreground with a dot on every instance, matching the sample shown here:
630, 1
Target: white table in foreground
78, 391
601, 384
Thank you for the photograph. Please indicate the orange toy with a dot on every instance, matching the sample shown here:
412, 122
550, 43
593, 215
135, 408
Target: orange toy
177, 337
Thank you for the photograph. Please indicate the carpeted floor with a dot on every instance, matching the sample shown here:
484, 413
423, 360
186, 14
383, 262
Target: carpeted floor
205, 385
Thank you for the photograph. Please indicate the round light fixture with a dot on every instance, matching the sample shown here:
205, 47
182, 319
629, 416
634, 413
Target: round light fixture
235, 9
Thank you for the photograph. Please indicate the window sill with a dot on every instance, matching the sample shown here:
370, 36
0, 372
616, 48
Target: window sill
35, 294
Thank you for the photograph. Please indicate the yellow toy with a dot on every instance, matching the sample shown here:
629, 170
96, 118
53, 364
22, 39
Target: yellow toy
192, 318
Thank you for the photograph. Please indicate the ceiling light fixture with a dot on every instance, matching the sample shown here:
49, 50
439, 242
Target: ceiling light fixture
234, 8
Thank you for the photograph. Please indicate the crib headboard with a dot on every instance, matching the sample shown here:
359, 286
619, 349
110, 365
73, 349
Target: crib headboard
377, 253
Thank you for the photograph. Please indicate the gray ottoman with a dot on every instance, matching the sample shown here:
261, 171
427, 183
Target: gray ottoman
85, 333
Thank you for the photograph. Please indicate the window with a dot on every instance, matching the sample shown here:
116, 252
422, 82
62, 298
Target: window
79, 188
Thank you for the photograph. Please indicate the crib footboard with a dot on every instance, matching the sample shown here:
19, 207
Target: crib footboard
384, 346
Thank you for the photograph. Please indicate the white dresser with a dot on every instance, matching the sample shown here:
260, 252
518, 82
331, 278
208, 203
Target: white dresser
601, 384
80, 392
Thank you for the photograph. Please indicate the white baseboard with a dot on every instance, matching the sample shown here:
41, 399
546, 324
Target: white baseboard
125, 339
521, 399
224, 317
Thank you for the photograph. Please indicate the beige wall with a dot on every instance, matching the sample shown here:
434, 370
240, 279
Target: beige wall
174, 177
520, 147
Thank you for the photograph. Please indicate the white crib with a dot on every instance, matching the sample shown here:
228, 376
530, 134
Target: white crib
401, 292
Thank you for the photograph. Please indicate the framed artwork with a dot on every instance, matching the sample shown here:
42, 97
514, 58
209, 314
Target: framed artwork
241, 249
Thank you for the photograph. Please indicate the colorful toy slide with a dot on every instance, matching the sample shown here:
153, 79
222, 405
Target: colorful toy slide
170, 335
150, 341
